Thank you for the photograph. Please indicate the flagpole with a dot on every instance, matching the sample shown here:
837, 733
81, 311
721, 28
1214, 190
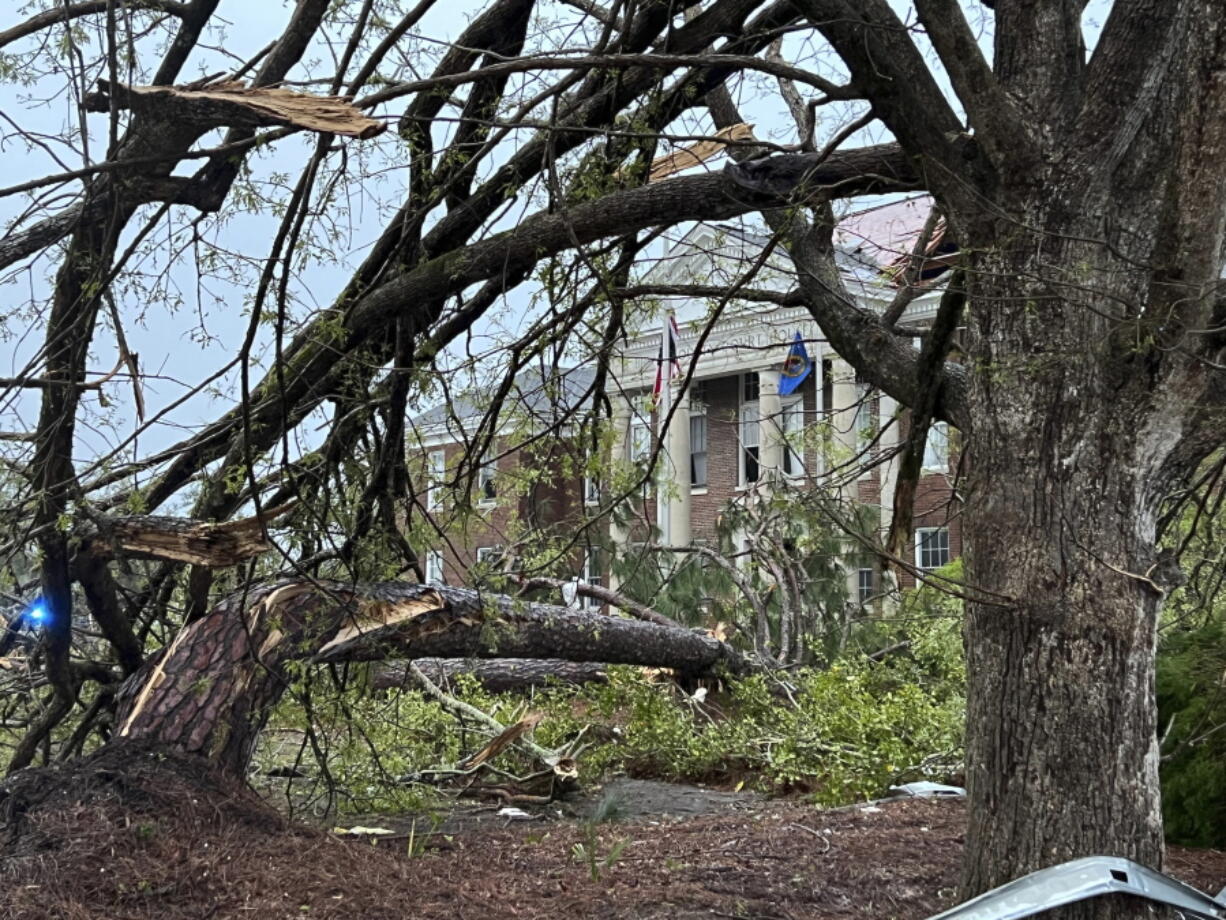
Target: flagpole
665, 407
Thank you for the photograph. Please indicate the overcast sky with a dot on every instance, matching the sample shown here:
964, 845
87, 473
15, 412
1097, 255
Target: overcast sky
187, 329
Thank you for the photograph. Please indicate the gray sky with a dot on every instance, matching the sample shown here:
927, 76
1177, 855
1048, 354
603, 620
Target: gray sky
186, 326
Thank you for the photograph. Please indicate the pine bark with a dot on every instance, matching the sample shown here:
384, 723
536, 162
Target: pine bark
497, 675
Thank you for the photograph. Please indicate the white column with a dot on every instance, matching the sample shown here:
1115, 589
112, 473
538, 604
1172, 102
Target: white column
677, 470
843, 418
770, 425
619, 536
843, 409
889, 472
889, 469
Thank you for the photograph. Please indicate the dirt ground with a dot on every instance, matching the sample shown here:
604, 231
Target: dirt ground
142, 834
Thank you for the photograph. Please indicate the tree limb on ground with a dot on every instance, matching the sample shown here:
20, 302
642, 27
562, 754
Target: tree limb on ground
605, 596
495, 675
212, 689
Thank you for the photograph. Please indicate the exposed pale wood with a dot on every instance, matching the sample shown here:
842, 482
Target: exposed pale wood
234, 104
697, 153
181, 540
505, 739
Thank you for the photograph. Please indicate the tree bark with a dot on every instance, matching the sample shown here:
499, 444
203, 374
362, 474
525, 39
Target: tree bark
1091, 221
497, 675
1062, 756
210, 691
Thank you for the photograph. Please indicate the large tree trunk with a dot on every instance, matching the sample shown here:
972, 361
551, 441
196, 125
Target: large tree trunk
1068, 440
212, 688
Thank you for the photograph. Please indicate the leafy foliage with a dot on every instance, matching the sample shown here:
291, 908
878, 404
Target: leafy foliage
1191, 690
789, 554
843, 734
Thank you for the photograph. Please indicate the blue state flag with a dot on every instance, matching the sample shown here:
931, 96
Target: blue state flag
796, 367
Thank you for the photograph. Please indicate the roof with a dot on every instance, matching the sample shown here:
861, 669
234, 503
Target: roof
886, 235
547, 394
870, 247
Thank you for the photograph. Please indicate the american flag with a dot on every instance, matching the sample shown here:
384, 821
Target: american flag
667, 369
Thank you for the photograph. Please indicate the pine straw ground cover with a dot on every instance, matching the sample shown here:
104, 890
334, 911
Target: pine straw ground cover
134, 833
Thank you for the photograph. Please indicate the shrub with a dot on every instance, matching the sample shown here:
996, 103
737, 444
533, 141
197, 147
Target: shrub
1192, 713
844, 733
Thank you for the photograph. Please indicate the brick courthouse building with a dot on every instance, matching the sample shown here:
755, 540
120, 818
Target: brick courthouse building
731, 433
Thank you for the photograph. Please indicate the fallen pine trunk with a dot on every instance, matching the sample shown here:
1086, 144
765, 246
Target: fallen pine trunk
210, 691
496, 675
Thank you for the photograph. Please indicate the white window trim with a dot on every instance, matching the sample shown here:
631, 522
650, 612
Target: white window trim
589, 557
706, 448
793, 439
871, 583
866, 421
938, 430
434, 567
487, 473
484, 552
591, 490
920, 541
741, 446
638, 448
434, 478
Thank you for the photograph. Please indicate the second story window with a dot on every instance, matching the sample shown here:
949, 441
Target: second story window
487, 484
698, 449
936, 448
640, 441
434, 480
750, 447
793, 426
866, 415
591, 490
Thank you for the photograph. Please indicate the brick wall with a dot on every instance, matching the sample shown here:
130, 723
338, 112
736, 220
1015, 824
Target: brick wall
553, 502
539, 487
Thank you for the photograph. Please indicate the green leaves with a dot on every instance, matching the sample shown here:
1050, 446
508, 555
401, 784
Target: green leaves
844, 734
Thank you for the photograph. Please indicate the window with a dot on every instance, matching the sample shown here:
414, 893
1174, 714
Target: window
592, 575
640, 441
931, 547
434, 567
489, 569
591, 490
866, 415
936, 448
866, 586
793, 438
434, 480
698, 449
640, 448
750, 432
749, 443
489, 557
487, 485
